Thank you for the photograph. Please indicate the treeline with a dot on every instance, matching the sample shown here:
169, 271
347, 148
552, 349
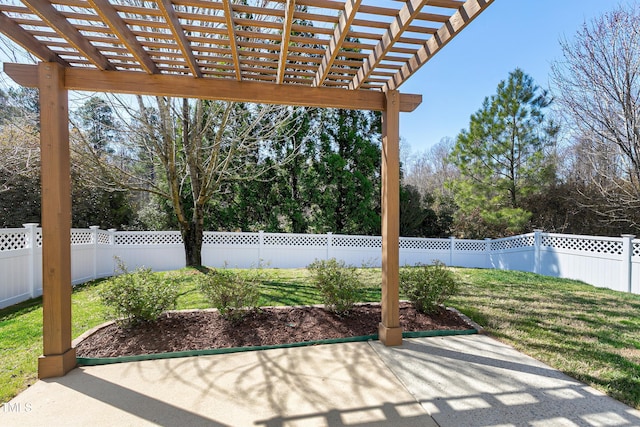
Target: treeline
319, 170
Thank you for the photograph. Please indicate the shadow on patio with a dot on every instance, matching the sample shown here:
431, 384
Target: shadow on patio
460, 381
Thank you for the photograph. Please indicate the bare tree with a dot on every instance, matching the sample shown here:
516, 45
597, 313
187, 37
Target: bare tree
20, 153
598, 89
185, 150
430, 170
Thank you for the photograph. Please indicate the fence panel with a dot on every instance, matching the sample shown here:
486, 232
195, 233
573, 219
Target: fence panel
513, 253
592, 259
15, 283
293, 250
356, 250
469, 253
423, 251
236, 250
601, 261
158, 250
105, 264
83, 256
635, 267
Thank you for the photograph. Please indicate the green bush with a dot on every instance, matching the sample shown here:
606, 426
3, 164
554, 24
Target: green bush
338, 283
428, 286
232, 293
140, 296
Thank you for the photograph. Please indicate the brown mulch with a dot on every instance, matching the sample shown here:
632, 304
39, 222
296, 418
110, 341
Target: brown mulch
197, 330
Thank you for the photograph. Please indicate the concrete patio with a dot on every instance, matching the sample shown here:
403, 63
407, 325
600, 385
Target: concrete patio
456, 381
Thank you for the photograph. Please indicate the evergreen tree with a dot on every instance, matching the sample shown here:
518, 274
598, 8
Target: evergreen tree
97, 121
504, 157
347, 170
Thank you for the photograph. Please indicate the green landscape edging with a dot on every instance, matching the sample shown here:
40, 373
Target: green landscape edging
94, 361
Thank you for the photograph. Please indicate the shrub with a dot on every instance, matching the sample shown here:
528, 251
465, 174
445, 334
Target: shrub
140, 296
338, 283
428, 286
232, 293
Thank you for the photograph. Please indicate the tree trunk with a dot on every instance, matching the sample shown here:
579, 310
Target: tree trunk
192, 238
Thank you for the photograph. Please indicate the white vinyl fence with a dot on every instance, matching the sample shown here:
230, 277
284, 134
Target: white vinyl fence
611, 262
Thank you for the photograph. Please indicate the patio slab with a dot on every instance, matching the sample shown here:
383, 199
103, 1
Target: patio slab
443, 381
475, 380
328, 385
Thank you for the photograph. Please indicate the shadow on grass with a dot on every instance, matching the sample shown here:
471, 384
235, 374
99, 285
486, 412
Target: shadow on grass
20, 308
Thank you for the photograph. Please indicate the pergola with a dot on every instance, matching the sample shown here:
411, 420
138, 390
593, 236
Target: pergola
350, 54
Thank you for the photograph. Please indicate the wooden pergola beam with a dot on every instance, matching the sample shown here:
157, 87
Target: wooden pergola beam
228, 14
60, 25
339, 35
408, 13
131, 82
289, 10
178, 33
458, 21
16, 33
59, 357
110, 17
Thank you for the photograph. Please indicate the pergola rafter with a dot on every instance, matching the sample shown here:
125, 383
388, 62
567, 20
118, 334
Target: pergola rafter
180, 37
444, 35
349, 54
289, 9
62, 27
110, 16
401, 22
28, 41
319, 43
340, 33
228, 13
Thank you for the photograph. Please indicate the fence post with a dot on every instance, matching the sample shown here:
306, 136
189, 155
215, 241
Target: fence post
94, 236
260, 244
452, 245
329, 244
627, 266
112, 244
487, 248
537, 254
31, 244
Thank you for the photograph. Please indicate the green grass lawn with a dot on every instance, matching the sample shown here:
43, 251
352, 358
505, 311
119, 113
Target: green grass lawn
589, 333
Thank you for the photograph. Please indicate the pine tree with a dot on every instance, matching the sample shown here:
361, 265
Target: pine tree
504, 157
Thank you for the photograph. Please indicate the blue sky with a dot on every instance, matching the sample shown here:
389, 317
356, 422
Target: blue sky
509, 34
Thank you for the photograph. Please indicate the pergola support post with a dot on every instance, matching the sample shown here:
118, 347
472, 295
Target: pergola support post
389, 330
58, 355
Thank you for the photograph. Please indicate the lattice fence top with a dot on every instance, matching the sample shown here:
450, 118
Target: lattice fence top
231, 239
148, 238
584, 244
356, 242
524, 241
11, 240
298, 240
103, 237
18, 238
425, 244
81, 237
470, 245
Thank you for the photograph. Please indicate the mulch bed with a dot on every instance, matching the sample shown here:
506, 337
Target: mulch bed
199, 330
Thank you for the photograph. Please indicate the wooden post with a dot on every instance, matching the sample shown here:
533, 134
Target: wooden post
58, 356
389, 330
